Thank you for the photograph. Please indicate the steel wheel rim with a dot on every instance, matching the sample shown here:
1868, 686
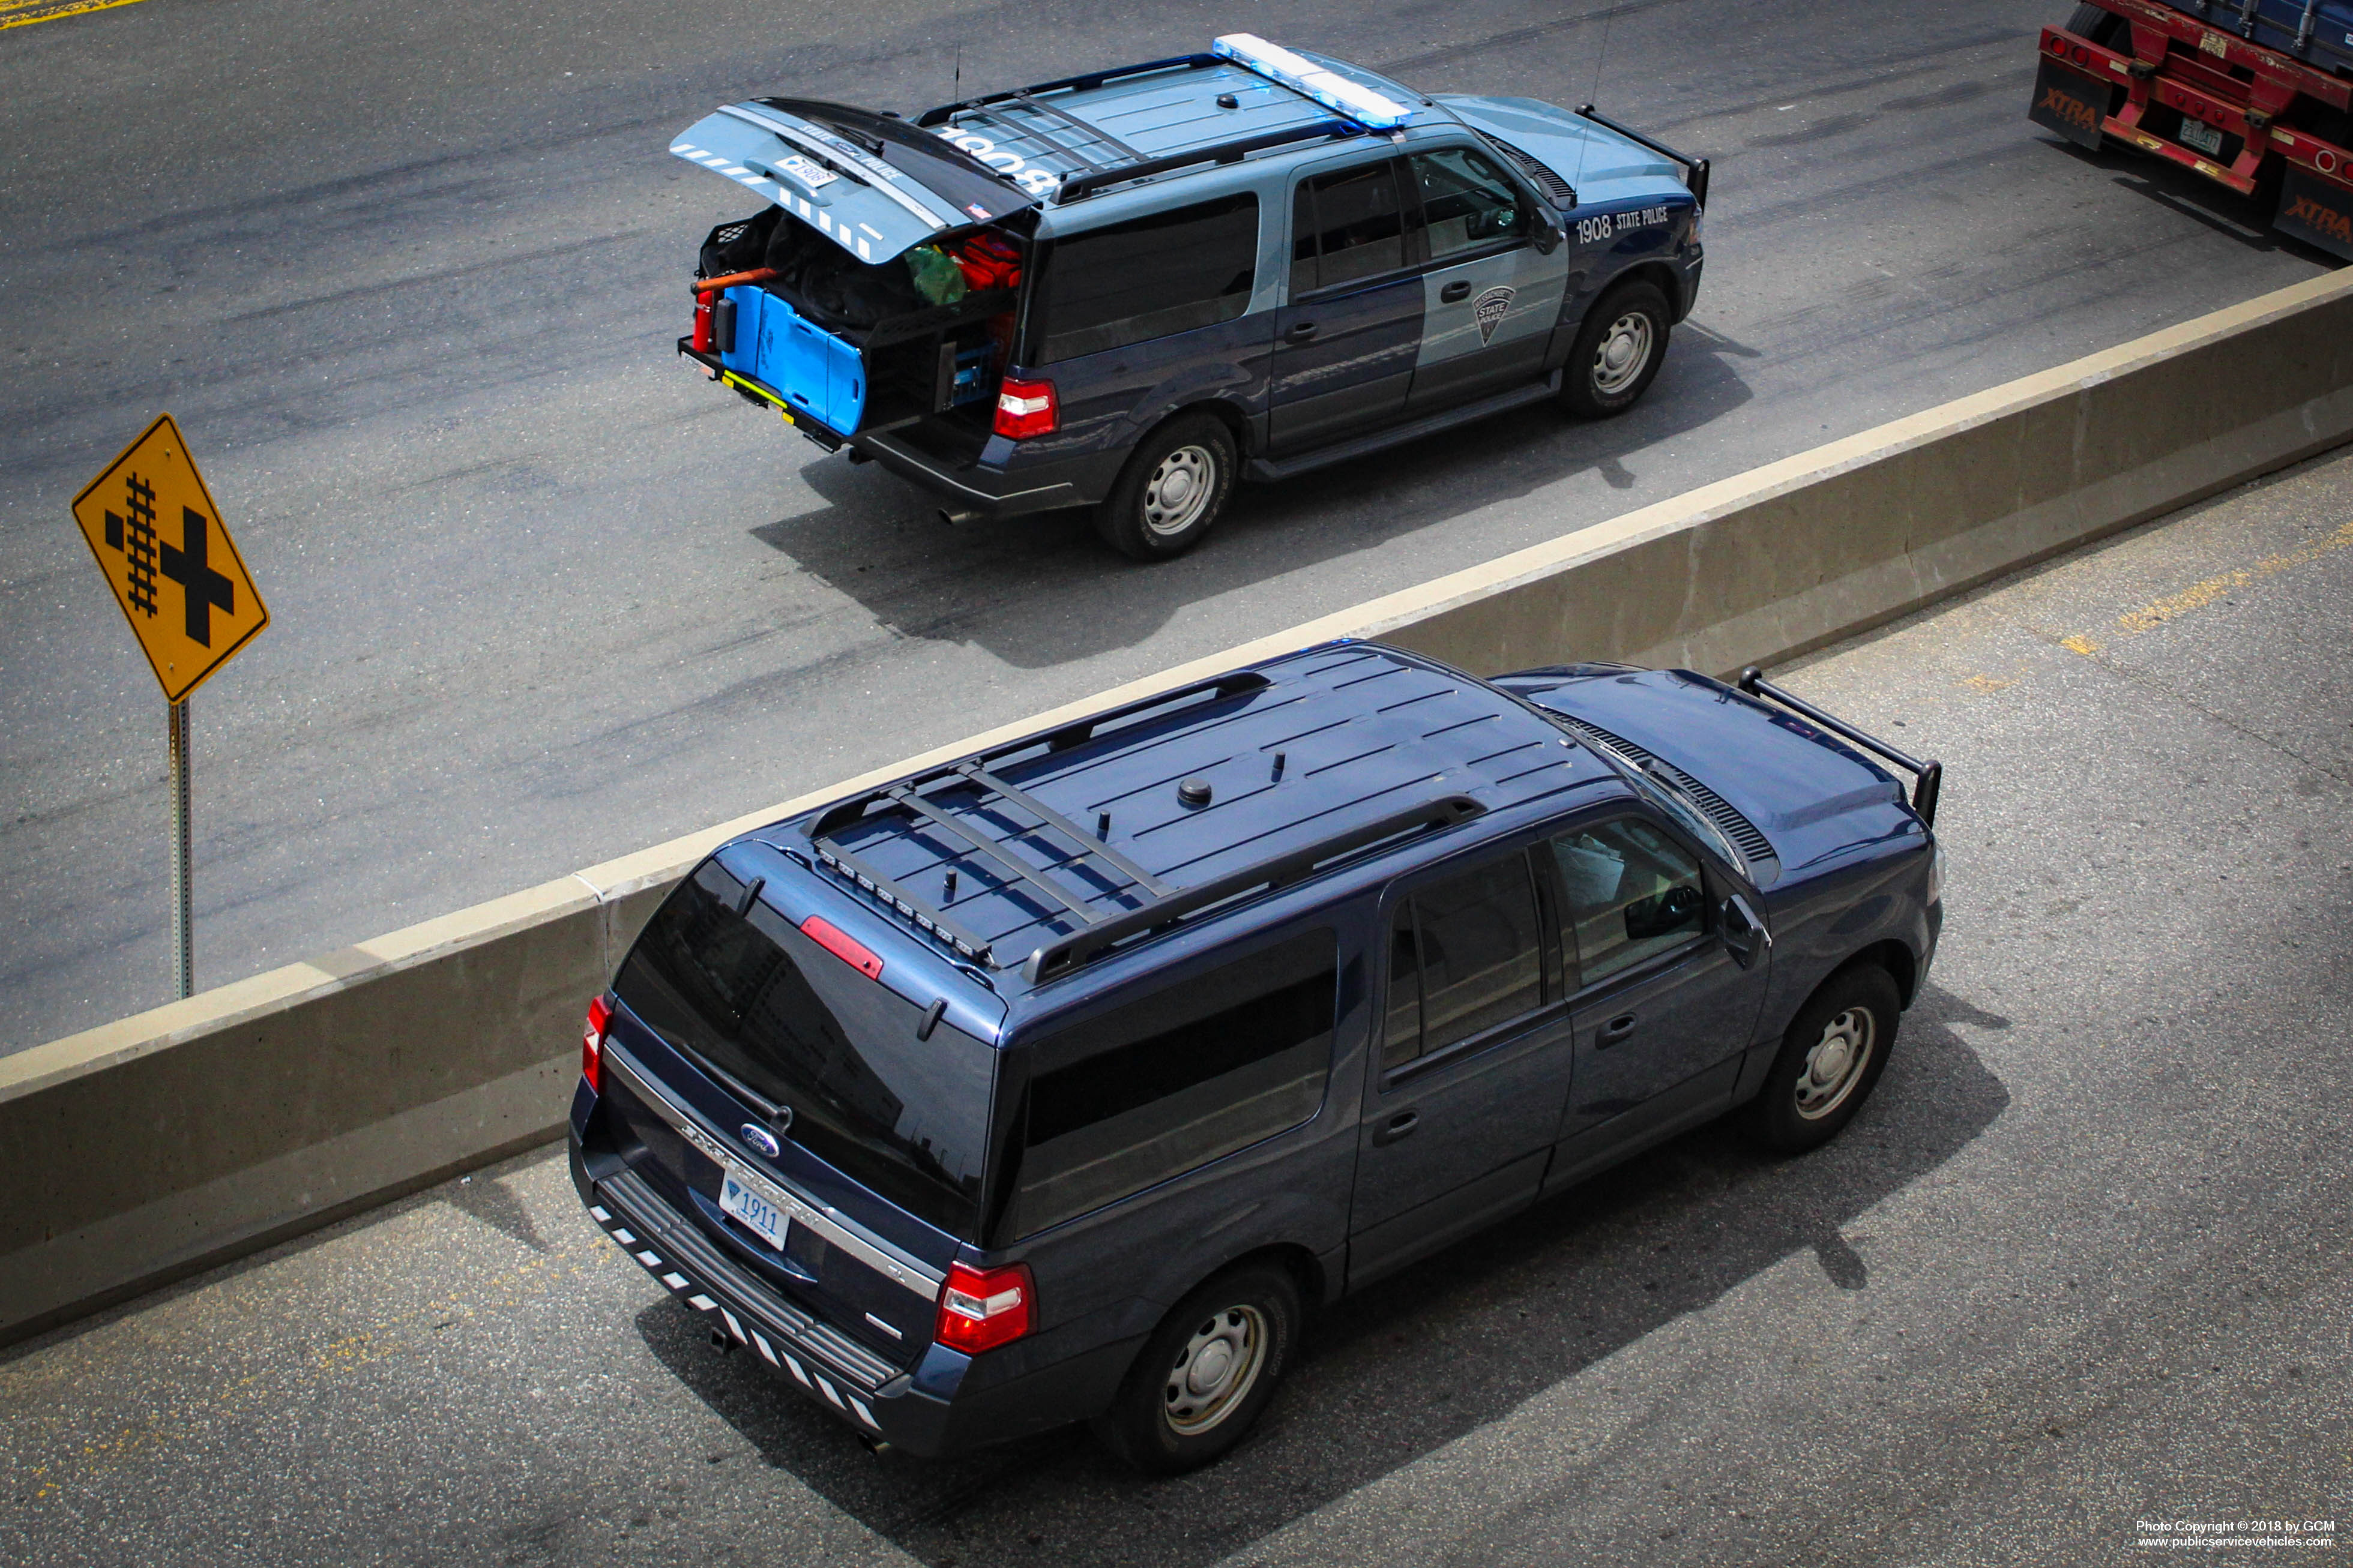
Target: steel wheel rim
1179, 489
1622, 355
1835, 1064
1215, 1371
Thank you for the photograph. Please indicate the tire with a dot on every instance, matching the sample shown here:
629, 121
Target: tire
1173, 489
1618, 352
1848, 1027
1164, 1422
2095, 25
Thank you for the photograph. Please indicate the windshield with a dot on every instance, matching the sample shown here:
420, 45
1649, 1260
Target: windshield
1660, 788
728, 982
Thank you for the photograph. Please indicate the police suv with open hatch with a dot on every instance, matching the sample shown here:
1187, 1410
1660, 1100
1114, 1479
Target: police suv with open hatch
1130, 289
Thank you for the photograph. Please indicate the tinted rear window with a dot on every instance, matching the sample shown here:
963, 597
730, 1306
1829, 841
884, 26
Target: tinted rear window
1187, 267
1174, 1080
749, 995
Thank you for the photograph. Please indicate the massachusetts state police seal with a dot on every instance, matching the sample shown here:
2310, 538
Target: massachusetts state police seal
1488, 310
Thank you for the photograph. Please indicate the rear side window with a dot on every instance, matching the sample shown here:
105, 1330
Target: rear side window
1465, 955
907, 1119
1176, 1079
1345, 226
1189, 267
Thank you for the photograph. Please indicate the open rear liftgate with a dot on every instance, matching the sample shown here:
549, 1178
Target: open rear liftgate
2212, 99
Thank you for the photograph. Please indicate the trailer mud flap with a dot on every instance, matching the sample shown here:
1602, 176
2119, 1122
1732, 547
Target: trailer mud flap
2070, 102
2317, 213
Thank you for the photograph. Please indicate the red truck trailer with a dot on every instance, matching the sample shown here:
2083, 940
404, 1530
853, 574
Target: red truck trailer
2253, 94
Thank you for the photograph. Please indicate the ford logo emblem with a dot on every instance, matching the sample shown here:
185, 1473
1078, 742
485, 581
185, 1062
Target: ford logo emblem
759, 1137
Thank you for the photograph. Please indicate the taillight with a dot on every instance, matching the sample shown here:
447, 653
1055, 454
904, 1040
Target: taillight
592, 1045
981, 1308
1027, 409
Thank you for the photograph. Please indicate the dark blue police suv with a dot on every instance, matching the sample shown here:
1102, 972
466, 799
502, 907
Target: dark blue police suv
1056, 1083
1126, 290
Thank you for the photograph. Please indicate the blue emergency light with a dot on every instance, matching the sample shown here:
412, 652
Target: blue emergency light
1301, 75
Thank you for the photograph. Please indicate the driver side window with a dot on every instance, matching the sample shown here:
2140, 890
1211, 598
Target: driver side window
1632, 891
1466, 202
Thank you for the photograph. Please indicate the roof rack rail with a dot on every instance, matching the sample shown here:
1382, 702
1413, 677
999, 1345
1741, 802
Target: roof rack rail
1694, 169
1083, 83
913, 798
1056, 958
1930, 774
1218, 152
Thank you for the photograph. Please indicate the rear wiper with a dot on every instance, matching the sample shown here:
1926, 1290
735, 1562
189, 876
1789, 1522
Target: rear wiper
865, 138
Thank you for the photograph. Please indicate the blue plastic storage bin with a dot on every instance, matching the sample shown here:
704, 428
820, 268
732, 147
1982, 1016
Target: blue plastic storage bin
814, 371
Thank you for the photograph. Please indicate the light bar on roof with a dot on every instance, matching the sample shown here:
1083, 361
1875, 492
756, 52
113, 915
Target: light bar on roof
1302, 75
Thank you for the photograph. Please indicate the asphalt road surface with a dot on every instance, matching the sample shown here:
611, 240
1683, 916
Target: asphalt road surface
2081, 1261
407, 277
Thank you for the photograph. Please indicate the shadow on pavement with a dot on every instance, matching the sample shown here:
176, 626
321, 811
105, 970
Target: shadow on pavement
878, 540
1385, 1378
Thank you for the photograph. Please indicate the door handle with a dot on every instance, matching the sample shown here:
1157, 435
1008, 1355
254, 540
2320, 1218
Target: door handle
1300, 331
1615, 1031
1402, 1125
1458, 290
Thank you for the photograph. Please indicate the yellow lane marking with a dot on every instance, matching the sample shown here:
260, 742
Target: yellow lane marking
2198, 596
24, 13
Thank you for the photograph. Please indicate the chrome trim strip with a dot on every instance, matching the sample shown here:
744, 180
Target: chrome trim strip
902, 1269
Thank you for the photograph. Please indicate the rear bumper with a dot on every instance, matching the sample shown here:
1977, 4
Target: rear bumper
996, 484
938, 1407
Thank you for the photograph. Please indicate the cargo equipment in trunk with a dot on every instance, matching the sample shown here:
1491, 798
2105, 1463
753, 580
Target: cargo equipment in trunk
2257, 95
880, 286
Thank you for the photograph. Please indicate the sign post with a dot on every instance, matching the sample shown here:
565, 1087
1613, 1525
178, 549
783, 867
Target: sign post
192, 607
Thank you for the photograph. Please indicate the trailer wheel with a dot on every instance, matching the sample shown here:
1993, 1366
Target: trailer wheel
2096, 25
1172, 491
1617, 351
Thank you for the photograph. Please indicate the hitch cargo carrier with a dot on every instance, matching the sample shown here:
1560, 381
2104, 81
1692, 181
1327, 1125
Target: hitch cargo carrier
2257, 95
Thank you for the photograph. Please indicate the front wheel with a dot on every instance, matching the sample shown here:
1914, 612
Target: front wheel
1173, 490
1830, 1060
1207, 1373
1618, 352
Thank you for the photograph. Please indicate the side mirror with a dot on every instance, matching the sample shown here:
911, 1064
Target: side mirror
1548, 235
1745, 936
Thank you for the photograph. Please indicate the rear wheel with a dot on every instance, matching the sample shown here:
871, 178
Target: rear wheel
1617, 351
1173, 490
1830, 1060
2095, 25
1207, 1373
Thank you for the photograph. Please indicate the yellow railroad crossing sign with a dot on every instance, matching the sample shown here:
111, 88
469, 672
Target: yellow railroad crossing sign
168, 557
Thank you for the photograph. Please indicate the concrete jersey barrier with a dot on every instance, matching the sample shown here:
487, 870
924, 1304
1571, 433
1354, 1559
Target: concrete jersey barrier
156, 1145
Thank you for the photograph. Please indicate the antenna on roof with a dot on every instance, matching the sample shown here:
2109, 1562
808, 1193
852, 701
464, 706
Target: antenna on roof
955, 90
1600, 58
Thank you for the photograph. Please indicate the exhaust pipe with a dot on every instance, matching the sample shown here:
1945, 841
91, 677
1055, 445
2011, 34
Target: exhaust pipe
957, 519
